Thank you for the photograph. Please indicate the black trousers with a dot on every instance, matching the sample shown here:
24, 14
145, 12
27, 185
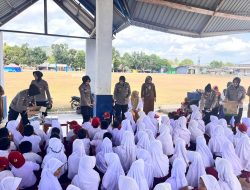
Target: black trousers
44, 104
214, 112
86, 110
120, 110
13, 115
237, 118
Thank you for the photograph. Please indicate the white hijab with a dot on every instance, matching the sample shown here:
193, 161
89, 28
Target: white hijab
147, 121
165, 123
246, 121
74, 158
114, 171
148, 169
38, 131
228, 153
136, 172
48, 180
227, 179
194, 130
127, 150
196, 169
211, 125
180, 151
181, 131
165, 137
12, 127
56, 124
204, 151
143, 142
238, 136
129, 116
127, 183
126, 125
72, 187
210, 182
197, 115
106, 147
160, 161
151, 115
228, 132
178, 179
10, 183
163, 186
87, 177
242, 149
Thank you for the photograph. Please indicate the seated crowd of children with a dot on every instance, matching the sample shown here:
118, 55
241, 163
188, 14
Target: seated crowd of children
146, 154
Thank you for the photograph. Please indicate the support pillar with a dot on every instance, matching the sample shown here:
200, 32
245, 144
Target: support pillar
104, 25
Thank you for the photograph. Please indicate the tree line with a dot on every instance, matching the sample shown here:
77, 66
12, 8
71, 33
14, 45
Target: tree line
62, 54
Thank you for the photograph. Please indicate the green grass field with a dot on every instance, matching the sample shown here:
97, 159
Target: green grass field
170, 89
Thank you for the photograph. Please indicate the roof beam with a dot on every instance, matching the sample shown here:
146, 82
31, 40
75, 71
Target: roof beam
193, 9
7, 1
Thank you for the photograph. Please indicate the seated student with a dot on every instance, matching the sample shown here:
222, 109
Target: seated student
38, 131
92, 127
126, 182
56, 150
4, 147
116, 133
72, 187
72, 134
54, 132
208, 182
4, 168
97, 143
16, 135
143, 140
87, 177
4, 132
25, 148
50, 174
107, 117
23, 169
10, 183
55, 124
74, 158
29, 135
82, 134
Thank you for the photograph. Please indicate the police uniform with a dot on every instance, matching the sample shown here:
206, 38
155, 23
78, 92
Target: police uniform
1, 103
86, 100
121, 96
19, 105
248, 94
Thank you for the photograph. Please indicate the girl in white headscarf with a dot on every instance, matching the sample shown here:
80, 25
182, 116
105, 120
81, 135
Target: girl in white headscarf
228, 153
165, 136
151, 115
227, 179
56, 150
180, 151
163, 186
194, 130
209, 182
243, 151
74, 158
160, 161
87, 177
72, 187
148, 169
246, 121
136, 171
38, 131
129, 117
178, 179
126, 183
228, 132
56, 124
114, 171
217, 141
12, 127
238, 136
211, 125
127, 150
10, 183
165, 123
147, 121
196, 169
143, 142
206, 154
49, 177
181, 131
126, 125
197, 116
106, 147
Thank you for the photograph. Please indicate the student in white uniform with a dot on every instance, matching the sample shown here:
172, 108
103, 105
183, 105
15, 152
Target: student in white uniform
126, 183
50, 174
92, 127
82, 135
10, 183
4, 132
74, 158
23, 169
116, 134
25, 148
163, 186
4, 166
12, 127
39, 131
72, 187
209, 182
31, 137
4, 146
87, 177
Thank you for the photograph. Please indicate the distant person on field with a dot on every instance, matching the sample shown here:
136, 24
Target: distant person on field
44, 98
1, 103
209, 103
235, 92
148, 95
86, 97
23, 101
121, 97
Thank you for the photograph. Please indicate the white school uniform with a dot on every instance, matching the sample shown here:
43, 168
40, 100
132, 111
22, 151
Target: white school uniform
91, 130
243, 151
38, 131
10, 183
26, 172
33, 157
163, 186
181, 131
86, 143
210, 182
204, 151
126, 183
5, 173
4, 153
116, 136
12, 127
35, 140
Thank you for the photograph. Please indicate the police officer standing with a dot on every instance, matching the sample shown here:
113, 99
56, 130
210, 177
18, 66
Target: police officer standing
121, 97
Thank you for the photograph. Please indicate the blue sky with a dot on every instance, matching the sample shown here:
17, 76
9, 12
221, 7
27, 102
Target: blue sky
230, 48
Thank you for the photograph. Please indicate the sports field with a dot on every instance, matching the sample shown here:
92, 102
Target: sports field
170, 89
